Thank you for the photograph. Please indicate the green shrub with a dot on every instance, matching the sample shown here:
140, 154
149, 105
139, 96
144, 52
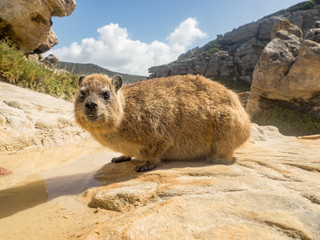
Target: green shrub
302, 6
288, 121
306, 5
237, 86
16, 69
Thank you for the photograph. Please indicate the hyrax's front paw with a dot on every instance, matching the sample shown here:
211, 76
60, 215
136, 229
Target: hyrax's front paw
147, 166
121, 159
224, 161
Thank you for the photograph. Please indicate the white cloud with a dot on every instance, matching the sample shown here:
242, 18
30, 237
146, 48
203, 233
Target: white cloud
115, 51
185, 34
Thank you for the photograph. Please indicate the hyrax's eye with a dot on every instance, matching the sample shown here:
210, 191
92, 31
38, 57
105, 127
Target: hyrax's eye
82, 94
106, 95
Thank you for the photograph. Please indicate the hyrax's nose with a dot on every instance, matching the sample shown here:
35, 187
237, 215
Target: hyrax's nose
91, 105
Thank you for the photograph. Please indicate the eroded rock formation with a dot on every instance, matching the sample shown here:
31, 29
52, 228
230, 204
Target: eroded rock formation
28, 23
288, 71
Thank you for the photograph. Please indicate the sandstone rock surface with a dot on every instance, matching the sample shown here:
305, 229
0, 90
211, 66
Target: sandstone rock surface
28, 23
33, 119
271, 192
287, 71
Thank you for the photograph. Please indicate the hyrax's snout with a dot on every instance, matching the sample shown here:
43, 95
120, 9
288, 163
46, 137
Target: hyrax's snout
91, 105
91, 108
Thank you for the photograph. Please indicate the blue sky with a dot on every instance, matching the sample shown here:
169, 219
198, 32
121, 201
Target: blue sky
130, 36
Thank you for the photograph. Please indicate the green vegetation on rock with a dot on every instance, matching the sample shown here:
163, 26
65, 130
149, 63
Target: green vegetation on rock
238, 86
288, 121
16, 69
306, 5
211, 47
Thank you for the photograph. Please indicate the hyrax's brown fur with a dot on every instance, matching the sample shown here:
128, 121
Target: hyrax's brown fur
176, 118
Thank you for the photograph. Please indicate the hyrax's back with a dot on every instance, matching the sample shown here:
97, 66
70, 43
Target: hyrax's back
183, 117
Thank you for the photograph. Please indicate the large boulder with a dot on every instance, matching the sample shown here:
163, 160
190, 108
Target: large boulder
314, 33
242, 33
51, 61
221, 64
28, 23
287, 72
245, 58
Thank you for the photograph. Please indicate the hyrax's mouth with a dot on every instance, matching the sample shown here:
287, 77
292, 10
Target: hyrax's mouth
93, 117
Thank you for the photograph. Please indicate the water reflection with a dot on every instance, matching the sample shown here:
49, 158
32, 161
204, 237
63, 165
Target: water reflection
70, 185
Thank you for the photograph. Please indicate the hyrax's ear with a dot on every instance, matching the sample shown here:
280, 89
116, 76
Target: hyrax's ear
117, 82
81, 79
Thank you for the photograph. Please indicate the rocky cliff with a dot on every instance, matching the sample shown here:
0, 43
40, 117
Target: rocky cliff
236, 53
28, 23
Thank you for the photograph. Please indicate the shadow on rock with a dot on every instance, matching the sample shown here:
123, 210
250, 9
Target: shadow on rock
122, 189
35, 190
119, 172
23, 196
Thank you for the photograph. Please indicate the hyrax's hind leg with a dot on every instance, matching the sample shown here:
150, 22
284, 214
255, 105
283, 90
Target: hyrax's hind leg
223, 150
231, 129
223, 158
121, 159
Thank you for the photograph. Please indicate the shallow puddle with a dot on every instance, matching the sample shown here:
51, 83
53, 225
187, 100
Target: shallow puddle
42, 198
73, 178
69, 179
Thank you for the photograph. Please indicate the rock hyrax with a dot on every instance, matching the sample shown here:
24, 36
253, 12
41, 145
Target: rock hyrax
176, 118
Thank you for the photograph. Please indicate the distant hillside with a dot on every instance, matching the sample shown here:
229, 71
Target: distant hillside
306, 5
89, 68
235, 53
